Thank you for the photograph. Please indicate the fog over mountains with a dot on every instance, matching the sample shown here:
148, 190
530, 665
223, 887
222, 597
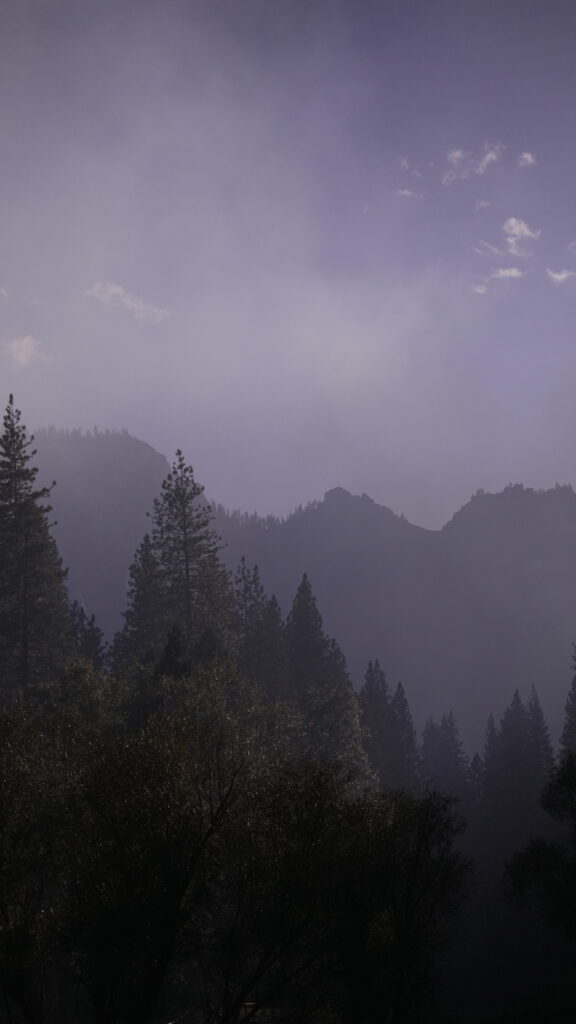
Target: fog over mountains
463, 615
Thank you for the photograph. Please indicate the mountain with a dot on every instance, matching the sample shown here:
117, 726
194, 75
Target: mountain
462, 615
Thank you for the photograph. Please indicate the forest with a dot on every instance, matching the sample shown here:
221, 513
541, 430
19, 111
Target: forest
203, 820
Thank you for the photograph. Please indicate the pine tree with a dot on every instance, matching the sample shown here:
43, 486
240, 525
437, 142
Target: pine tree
34, 620
405, 745
568, 737
541, 752
262, 653
378, 723
87, 637
196, 592
444, 765
177, 579
518, 759
145, 622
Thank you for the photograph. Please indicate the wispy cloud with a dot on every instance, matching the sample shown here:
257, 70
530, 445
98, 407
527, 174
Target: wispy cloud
526, 159
507, 273
462, 164
491, 154
408, 167
480, 289
559, 276
483, 248
407, 193
4, 294
518, 231
110, 294
25, 350
572, 246
482, 204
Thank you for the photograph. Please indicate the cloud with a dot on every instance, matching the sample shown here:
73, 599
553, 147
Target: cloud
572, 246
463, 165
507, 273
481, 204
559, 276
407, 193
485, 248
491, 154
409, 168
24, 351
4, 294
110, 294
460, 166
517, 231
526, 160
480, 289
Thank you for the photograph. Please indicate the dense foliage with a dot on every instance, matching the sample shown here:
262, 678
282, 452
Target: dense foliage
204, 822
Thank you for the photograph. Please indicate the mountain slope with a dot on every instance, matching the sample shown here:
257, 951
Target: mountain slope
462, 615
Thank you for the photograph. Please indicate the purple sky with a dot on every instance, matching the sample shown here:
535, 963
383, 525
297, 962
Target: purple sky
315, 244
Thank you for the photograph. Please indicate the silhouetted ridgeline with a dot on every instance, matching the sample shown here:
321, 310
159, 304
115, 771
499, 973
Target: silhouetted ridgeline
462, 615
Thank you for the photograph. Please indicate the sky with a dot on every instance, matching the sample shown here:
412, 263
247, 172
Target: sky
315, 244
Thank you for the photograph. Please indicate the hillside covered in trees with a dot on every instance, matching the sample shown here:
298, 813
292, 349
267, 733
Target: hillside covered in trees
463, 616
203, 820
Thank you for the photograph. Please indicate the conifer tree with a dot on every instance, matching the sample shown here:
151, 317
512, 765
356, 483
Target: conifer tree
518, 759
87, 637
378, 723
444, 765
196, 591
177, 579
306, 641
262, 653
541, 752
568, 737
145, 621
405, 745
34, 621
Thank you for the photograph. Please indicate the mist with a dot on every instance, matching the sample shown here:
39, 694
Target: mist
250, 231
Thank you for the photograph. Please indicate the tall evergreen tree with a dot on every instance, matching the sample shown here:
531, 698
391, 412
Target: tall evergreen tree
177, 579
196, 592
34, 620
568, 737
518, 759
87, 637
444, 765
145, 624
378, 724
388, 731
405, 744
306, 640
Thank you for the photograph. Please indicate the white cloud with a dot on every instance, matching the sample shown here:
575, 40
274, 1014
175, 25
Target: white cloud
518, 231
526, 159
559, 276
507, 273
463, 165
24, 351
407, 193
485, 248
409, 168
481, 204
491, 154
4, 294
480, 289
110, 294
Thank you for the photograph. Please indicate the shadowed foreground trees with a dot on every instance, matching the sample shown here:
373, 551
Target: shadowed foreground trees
34, 627
196, 865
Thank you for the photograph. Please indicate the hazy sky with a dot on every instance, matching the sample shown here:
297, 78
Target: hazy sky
312, 244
